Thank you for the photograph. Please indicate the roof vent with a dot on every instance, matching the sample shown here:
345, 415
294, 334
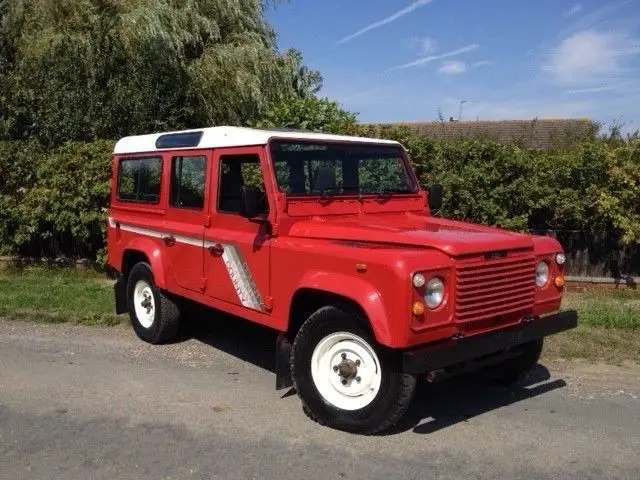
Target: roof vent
179, 140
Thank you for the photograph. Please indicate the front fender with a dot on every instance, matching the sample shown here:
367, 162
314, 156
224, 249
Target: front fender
358, 290
152, 249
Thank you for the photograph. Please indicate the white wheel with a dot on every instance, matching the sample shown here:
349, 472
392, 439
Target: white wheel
346, 371
144, 303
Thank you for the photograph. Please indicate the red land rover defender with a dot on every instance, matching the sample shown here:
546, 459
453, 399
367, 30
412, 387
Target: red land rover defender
329, 240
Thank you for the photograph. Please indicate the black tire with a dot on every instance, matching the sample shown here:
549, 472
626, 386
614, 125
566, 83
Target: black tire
166, 314
396, 388
512, 370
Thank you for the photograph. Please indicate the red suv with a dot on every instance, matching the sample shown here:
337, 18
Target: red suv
331, 241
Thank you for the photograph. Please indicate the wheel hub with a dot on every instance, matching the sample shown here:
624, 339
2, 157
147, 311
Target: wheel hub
347, 369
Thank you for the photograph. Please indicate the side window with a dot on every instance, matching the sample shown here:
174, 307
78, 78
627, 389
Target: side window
187, 182
139, 179
236, 172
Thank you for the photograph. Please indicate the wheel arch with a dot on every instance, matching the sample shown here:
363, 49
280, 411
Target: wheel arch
144, 250
319, 289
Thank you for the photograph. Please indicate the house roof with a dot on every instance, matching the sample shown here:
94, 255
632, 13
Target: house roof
219, 137
538, 133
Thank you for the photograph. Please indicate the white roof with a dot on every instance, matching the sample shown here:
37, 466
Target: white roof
219, 137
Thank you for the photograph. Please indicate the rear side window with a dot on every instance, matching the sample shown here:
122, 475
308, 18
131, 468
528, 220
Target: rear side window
139, 179
187, 182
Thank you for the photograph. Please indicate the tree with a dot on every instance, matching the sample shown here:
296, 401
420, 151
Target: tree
309, 113
87, 69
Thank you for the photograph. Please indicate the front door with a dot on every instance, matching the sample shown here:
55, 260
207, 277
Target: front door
236, 248
186, 217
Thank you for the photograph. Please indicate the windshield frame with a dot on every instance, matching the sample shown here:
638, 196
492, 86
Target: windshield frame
412, 181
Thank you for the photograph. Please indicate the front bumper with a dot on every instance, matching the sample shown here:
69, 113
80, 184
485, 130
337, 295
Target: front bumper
456, 352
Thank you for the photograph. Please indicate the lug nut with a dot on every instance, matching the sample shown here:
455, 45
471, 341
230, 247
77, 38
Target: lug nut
357, 363
358, 379
344, 381
335, 368
344, 356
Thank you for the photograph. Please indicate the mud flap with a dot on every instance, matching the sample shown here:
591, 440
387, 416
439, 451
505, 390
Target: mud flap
120, 293
283, 362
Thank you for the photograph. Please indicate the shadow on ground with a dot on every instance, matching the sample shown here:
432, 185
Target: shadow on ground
435, 406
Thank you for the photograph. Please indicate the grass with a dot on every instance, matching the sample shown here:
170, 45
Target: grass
606, 308
609, 321
57, 295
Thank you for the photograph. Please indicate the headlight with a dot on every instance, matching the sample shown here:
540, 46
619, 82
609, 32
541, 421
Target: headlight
434, 295
418, 280
561, 258
542, 274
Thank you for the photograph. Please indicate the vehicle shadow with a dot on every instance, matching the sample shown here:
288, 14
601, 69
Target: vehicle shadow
235, 336
459, 399
434, 407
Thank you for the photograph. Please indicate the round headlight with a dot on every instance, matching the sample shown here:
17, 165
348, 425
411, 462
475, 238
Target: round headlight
434, 295
418, 280
561, 258
542, 274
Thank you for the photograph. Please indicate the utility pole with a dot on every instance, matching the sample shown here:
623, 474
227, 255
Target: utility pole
462, 102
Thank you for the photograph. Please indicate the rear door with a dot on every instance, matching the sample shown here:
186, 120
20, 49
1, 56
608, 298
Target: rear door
187, 174
237, 250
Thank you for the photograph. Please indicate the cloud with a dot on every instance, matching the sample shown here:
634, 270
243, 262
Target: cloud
433, 58
391, 18
428, 45
452, 67
576, 9
589, 90
589, 57
484, 63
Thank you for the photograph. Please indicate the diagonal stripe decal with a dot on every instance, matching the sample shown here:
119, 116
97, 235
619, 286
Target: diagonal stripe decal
238, 270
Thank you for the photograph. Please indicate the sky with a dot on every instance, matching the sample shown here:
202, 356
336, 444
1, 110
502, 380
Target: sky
412, 60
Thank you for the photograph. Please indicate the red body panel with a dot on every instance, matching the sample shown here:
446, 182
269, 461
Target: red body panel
365, 249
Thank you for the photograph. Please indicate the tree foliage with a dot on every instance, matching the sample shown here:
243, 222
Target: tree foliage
308, 113
91, 69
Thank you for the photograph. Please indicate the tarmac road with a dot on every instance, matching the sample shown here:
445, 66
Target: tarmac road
90, 402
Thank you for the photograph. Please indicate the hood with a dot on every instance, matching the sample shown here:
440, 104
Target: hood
449, 236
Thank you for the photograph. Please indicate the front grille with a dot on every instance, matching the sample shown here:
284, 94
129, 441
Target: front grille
488, 289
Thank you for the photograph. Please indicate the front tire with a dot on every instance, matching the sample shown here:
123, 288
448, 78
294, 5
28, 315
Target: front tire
513, 369
344, 378
154, 316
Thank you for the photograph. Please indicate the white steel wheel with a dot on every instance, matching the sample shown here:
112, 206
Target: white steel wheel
346, 371
144, 303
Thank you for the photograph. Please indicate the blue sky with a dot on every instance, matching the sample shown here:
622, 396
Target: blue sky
406, 60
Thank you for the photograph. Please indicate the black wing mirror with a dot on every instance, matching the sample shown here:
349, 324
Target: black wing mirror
250, 202
435, 196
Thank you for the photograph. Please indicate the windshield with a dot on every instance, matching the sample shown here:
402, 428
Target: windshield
305, 168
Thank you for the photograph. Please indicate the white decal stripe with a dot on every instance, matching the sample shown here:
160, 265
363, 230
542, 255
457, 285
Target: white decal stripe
237, 268
141, 231
241, 278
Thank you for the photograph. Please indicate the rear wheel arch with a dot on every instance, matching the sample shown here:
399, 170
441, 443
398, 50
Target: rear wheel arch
142, 251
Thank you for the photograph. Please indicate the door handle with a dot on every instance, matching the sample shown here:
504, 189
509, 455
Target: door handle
169, 240
216, 249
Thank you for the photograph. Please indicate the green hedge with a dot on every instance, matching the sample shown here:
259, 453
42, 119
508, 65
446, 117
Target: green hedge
53, 202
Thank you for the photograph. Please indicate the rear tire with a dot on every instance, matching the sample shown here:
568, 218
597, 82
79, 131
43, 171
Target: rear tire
344, 378
154, 316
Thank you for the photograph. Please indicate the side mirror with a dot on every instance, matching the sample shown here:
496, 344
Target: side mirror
250, 202
435, 196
